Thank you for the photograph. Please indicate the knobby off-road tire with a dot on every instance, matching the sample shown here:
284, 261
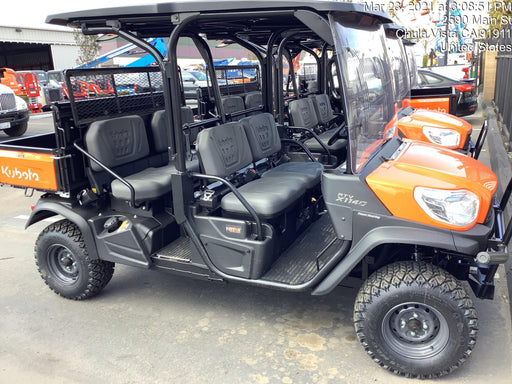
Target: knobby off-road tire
64, 264
415, 319
17, 130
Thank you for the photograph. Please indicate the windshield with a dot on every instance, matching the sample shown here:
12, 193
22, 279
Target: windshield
411, 61
367, 86
401, 83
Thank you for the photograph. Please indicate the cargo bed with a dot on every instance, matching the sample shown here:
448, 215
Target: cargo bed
37, 162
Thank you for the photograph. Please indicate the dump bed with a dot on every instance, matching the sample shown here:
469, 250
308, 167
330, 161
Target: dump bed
50, 162
38, 162
441, 99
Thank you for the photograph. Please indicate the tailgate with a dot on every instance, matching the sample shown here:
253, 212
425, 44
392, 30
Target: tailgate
28, 169
23, 164
434, 99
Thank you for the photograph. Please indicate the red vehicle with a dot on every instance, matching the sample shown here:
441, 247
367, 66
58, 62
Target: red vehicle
29, 87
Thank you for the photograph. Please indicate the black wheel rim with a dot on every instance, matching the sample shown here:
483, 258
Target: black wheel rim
62, 264
415, 330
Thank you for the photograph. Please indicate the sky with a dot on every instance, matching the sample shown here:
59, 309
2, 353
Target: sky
32, 13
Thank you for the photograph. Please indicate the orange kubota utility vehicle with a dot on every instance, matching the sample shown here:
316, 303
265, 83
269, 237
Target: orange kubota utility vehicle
414, 221
422, 114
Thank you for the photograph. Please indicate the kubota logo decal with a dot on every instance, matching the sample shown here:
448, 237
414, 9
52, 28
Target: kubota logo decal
20, 175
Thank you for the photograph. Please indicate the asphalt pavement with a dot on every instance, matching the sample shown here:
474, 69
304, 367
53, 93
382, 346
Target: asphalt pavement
152, 327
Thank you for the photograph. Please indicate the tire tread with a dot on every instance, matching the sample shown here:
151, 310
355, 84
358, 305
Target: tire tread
100, 272
424, 275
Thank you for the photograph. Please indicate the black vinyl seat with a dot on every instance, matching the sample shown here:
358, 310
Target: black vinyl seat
224, 150
253, 100
160, 139
264, 141
302, 112
323, 109
120, 141
233, 104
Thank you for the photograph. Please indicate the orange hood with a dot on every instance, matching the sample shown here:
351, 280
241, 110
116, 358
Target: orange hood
412, 126
430, 166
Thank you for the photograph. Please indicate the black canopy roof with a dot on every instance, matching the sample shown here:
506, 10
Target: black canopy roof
157, 20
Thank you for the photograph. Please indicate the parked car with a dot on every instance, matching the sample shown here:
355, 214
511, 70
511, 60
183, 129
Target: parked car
194, 79
465, 89
191, 82
13, 112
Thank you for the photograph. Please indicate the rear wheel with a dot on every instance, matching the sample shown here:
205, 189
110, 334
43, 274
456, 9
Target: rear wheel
64, 264
17, 130
415, 319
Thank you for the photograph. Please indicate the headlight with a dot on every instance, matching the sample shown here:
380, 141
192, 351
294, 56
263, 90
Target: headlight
459, 207
442, 136
20, 103
390, 132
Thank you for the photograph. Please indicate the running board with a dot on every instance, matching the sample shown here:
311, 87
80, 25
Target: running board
177, 258
302, 261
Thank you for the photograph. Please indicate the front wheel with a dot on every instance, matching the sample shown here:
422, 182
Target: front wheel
415, 319
17, 130
64, 264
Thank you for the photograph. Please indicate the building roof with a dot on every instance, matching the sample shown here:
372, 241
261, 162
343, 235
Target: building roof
21, 34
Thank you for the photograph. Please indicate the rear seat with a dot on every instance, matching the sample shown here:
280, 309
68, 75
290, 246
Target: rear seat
324, 112
302, 112
233, 104
120, 141
224, 150
253, 100
159, 131
264, 141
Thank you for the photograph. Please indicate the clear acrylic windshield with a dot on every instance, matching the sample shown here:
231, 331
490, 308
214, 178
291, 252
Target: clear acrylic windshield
367, 86
401, 80
413, 67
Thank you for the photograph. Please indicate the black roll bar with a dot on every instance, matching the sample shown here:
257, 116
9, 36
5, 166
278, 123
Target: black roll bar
480, 141
317, 138
111, 172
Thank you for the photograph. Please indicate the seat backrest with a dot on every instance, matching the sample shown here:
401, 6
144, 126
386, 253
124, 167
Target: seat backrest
262, 134
117, 141
253, 100
224, 149
159, 127
303, 113
323, 109
233, 104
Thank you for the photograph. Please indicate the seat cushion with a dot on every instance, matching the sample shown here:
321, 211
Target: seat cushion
151, 182
268, 196
224, 149
148, 184
314, 146
117, 141
262, 134
253, 100
302, 112
323, 109
309, 173
232, 104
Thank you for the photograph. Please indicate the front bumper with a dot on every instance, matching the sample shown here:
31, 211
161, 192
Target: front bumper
486, 263
14, 117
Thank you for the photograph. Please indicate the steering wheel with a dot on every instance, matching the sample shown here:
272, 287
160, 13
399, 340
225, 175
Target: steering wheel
336, 135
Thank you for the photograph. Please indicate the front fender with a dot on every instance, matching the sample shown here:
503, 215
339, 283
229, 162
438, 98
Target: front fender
377, 237
48, 207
